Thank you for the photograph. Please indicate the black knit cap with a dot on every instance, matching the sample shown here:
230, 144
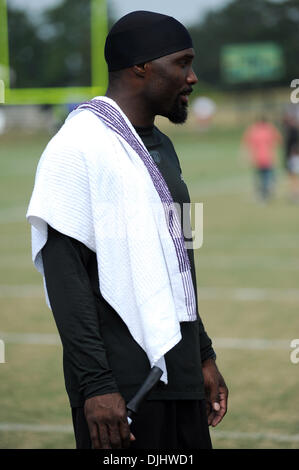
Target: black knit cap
142, 36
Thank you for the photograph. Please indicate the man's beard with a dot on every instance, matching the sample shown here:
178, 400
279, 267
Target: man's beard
179, 112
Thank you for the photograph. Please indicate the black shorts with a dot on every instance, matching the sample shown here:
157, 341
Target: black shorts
167, 424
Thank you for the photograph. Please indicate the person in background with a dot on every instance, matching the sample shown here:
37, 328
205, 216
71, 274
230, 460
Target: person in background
261, 140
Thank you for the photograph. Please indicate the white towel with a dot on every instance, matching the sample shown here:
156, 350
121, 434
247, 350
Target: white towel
97, 183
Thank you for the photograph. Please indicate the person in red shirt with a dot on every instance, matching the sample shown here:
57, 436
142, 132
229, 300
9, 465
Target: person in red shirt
261, 140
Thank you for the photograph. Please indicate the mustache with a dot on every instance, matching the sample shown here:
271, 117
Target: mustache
187, 91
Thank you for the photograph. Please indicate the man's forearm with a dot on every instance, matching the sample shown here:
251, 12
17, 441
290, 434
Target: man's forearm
206, 348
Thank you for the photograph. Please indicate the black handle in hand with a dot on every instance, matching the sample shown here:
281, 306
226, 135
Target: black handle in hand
151, 380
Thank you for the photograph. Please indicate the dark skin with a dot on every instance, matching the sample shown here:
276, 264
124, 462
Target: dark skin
216, 392
147, 90
159, 87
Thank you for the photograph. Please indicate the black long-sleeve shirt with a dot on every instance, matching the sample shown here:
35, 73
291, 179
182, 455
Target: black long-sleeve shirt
99, 354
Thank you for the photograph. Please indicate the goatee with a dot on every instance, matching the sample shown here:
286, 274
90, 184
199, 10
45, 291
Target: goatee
179, 112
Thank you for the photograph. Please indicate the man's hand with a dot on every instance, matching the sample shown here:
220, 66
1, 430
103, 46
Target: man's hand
216, 392
106, 417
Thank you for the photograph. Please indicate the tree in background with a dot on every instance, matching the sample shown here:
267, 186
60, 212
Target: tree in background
56, 51
247, 21
25, 51
69, 46
52, 50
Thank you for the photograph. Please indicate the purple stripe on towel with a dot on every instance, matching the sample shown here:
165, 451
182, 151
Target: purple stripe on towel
115, 121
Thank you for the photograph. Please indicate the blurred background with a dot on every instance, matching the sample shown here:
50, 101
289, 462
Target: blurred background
239, 153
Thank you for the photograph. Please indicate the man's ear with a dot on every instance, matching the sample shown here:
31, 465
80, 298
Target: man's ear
140, 69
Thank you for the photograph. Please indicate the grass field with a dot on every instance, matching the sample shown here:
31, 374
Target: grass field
247, 273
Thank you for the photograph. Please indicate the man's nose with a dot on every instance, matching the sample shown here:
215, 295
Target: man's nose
192, 78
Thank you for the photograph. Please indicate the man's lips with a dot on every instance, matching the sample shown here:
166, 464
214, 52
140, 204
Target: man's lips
184, 98
185, 95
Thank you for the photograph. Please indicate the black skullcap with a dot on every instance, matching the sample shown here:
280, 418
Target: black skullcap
142, 36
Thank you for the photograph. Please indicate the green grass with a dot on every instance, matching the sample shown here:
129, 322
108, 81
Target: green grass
246, 245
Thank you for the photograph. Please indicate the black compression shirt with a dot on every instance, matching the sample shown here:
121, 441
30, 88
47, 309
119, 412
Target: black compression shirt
99, 354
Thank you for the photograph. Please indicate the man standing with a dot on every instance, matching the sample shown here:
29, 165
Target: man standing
108, 240
261, 140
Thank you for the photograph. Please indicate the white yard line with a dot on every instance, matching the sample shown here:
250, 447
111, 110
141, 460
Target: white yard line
248, 294
205, 293
14, 260
20, 291
22, 427
251, 343
30, 338
236, 435
219, 343
215, 434
258, 262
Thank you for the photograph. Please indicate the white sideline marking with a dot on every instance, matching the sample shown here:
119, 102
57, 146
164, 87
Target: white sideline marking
235, 435
24, 290
258, 262
64, 428
251, 343
31, 338
247, 294
206, 293
254, 436
267, 262
221, 343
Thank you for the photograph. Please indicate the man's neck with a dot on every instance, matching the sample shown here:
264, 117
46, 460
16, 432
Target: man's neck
134, 108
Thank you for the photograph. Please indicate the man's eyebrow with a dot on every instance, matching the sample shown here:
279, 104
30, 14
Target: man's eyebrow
186, 56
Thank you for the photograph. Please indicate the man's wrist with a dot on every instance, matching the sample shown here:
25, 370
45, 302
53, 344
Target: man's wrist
100, 390
210, 359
